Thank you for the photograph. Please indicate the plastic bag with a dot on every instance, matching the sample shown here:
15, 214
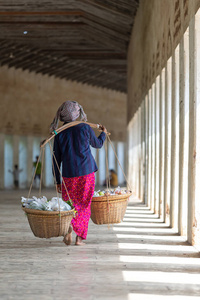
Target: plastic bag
55, 204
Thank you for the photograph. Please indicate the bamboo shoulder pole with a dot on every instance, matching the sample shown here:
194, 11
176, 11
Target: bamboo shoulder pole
68, 125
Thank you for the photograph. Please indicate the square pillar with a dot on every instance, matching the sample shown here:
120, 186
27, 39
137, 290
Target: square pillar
2, 157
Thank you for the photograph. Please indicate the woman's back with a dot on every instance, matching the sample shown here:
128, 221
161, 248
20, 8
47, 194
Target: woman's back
72, 147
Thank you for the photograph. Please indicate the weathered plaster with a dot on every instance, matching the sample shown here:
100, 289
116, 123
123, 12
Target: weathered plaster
29, 102
158, 28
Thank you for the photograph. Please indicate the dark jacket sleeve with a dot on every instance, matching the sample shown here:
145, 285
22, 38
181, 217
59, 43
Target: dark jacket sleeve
56, 160
96, 142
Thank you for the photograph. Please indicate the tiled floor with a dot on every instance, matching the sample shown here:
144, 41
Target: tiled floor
140, 258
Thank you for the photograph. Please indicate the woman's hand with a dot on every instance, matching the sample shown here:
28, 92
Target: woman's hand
59, 188
103, 128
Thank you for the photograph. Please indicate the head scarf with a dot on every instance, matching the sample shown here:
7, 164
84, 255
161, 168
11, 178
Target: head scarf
69, 111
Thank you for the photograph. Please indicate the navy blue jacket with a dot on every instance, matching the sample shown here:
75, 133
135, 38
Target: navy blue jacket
72, 149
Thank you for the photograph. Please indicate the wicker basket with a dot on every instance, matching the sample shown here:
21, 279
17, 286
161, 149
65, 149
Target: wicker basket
109, 209
47, 224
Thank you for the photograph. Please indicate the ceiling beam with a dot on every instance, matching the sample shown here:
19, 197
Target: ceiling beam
41, 13
43, 23
97, 6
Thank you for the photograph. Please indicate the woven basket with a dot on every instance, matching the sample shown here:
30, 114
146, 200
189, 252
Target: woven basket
109, 209
47, 224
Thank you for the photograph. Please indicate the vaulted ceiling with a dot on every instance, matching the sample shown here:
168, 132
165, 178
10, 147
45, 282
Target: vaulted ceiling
81, 40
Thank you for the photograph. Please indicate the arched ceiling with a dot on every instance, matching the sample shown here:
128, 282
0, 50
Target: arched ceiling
81, 40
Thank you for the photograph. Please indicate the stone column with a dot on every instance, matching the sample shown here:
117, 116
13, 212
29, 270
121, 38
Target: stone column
149, 149
139, 156
16, 150
167, 172
142, 163
2, 171
183, 133
175, 140
193, 215
157, 142
146, 149
162, 144
152, 146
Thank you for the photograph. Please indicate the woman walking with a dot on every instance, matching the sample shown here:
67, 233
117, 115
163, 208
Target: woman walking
72, 149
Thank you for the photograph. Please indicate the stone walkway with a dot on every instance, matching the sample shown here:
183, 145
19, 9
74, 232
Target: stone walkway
140, 258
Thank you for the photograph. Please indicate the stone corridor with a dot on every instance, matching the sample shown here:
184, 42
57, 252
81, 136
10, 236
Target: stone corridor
141, 258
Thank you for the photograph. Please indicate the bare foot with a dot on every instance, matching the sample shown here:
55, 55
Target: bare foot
68, 237
79, 241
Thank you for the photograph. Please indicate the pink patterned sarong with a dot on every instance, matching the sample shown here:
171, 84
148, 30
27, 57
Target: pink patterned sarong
81, 190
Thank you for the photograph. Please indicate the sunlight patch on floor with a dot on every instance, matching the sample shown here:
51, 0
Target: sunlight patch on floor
163, 225
175, 238
161, 277
160, 297
145, 230
142, 208
157, 247
135, 220
141, 216
160, 260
